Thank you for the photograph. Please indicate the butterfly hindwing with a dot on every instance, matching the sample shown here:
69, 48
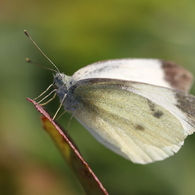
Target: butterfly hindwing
140, 127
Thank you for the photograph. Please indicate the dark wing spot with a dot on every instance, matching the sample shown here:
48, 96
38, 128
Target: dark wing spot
158, 114
139, 127
176, 76
186, 103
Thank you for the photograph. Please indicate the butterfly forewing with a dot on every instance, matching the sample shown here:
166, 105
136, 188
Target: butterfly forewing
151, 71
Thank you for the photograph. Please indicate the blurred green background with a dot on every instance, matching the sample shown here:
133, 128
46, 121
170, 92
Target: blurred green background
74, 34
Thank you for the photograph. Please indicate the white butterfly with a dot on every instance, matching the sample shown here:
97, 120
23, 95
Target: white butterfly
138, 108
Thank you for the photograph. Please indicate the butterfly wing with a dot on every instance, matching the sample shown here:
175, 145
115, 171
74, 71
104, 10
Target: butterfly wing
141, 122
152, 71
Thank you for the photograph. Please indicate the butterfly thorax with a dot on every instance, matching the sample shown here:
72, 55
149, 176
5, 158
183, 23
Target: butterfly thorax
62, 84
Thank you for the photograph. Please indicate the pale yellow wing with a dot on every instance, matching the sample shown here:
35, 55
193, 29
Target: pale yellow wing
141, 126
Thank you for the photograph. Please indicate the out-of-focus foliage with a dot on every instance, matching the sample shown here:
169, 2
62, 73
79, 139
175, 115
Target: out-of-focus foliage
74, 34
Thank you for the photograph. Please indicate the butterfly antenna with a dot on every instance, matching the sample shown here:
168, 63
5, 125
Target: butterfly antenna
35, 63
26, 33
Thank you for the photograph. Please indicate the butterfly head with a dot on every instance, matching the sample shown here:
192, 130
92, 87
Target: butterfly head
62, 84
